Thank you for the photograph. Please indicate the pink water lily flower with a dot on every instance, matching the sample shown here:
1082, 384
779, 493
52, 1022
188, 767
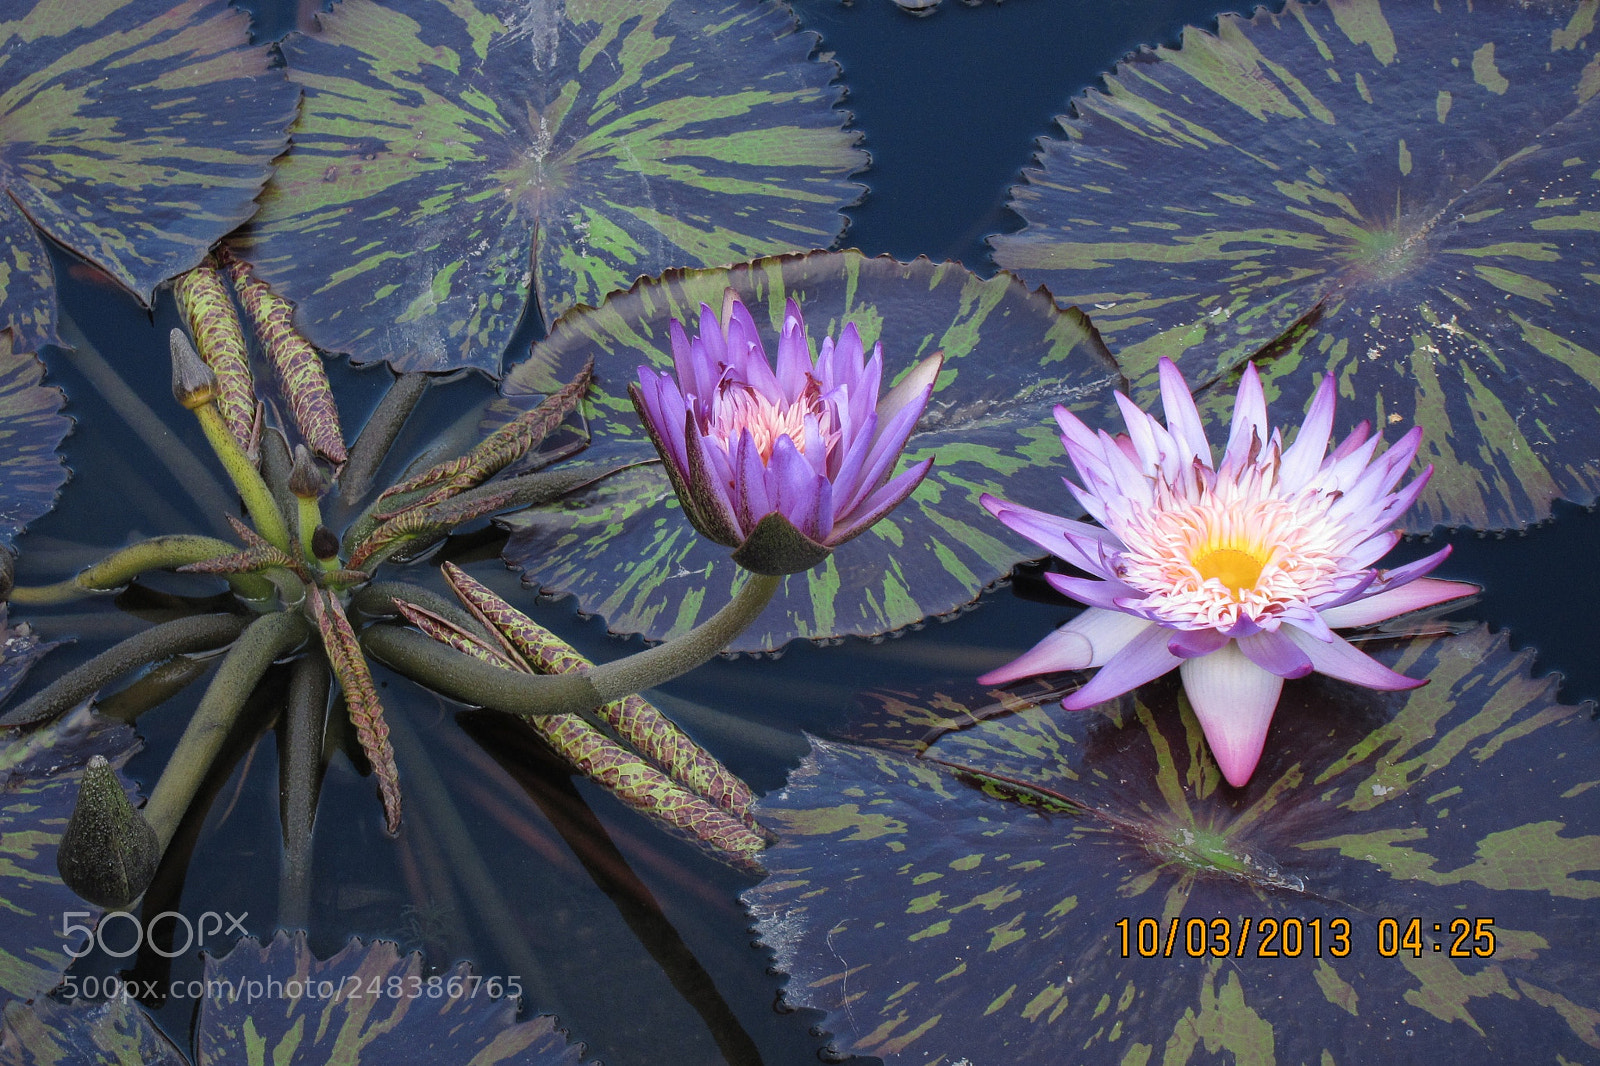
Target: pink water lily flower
1236, 574
781, 463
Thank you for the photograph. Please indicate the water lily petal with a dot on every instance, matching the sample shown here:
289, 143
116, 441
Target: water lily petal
1183, 420
1412, 596
1338, 658
1303, 458
1193, 643
1234, 700
880, 503
1249, 430
1144, 658
1275, 653
1078, 543
1104, 594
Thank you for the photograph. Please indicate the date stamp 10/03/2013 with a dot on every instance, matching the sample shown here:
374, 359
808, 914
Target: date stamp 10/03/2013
1292, 938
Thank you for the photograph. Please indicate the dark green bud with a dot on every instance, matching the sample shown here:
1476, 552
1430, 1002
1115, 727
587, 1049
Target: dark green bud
109, 853
775, 547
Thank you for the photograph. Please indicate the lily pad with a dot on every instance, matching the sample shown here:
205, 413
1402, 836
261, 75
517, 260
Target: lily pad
31, 428
575, 146
279, 1004
622, 545
1404, 195
134, 132
39, 774
970, 901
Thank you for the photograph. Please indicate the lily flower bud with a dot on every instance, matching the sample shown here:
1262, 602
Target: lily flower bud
109, 853
193, 383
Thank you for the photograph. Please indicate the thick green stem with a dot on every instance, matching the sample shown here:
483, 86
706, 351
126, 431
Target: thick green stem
465, 678
377, 599
246, 478
378, 436
122, 566
300, 779
178, 637
276, 464
267, 638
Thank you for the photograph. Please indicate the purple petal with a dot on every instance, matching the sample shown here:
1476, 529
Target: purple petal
1094, 593
1276, 654
1076, 542
1234, 699
1339, 659
1193, 643
753, 498
1142, 659
1089, 640
1183, 420
794, 356
1414, 595
1303, 458
879, 503
1249, 421
798, 492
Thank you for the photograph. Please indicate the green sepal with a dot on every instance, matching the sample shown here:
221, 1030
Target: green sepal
775, 547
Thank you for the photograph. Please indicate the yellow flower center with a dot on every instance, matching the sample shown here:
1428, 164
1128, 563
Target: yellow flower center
1238, 569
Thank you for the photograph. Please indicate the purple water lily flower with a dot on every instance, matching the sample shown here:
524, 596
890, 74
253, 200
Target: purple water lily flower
782, 464
1235, 574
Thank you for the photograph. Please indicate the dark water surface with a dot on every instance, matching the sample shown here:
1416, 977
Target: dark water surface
637, 942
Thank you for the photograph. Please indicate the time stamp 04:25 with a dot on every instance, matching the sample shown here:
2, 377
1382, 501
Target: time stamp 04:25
1292, 938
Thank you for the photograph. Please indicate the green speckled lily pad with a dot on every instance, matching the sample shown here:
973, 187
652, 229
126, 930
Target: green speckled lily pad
951, 889
451, 153
279, 1004
622, 545
1403, 194
134, 132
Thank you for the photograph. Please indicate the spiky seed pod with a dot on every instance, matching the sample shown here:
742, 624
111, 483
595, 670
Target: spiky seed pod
426, 521
207, 308
499, 449
193, 383
360, 696
298, 365
634, 718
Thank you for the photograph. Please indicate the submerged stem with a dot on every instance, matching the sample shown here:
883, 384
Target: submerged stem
178, 637
246, 478
378, 436
190, 473
267, 637
125, 564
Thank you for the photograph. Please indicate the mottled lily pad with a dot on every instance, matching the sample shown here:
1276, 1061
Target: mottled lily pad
939, 914
134, 132
278, 1003
622, 545
39, 774
451, 153
31, 428
1403, 194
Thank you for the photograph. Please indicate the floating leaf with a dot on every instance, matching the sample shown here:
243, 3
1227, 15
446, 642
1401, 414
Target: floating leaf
31, 428
39, 773
279, 1004
938, 913
1405, 195
135, 132
591, 142
622, 545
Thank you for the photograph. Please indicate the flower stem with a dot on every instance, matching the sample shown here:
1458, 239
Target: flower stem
378, 436
246, 478
178, 637
267, 637
465, 678
123, 565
